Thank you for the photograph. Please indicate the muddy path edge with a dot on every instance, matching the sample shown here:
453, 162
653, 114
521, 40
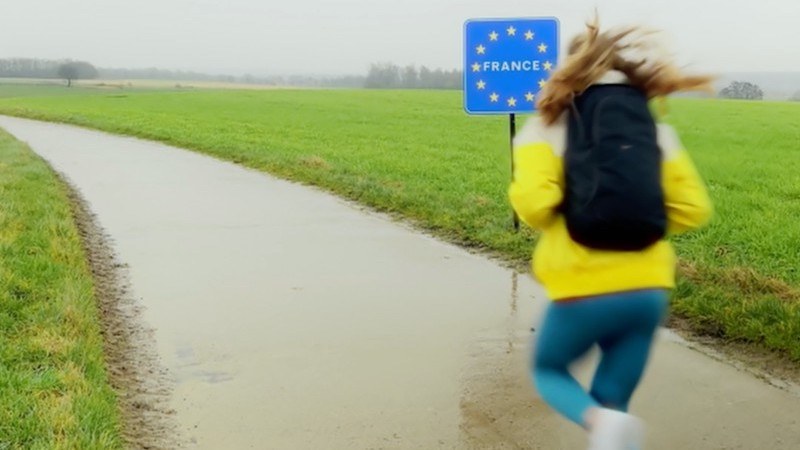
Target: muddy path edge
141, 384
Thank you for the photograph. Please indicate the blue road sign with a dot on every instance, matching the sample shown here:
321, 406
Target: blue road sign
506, 63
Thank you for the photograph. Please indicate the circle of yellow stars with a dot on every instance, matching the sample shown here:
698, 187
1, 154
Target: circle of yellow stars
494, 36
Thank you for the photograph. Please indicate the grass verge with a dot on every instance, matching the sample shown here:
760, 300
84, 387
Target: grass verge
54, 390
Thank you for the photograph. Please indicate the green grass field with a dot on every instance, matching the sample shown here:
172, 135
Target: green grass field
418, 155
54, 393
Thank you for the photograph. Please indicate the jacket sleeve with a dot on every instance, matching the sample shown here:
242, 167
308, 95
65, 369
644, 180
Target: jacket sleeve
537, 189
687, 201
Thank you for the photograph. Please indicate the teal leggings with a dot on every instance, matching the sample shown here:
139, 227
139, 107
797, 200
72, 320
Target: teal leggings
622, 324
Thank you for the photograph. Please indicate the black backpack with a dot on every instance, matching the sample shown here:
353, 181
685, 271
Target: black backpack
612, 164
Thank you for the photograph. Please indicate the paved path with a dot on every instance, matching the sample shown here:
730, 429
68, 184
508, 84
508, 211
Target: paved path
290, 319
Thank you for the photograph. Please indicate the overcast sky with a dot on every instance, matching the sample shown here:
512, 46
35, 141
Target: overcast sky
268, 37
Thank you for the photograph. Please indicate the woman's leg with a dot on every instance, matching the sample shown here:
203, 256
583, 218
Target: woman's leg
623, 324
625, 353
563, 338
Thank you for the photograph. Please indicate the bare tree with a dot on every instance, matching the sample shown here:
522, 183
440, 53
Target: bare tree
76, 70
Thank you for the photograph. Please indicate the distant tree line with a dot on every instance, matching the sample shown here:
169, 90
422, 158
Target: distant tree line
39, 68
42, 68
73, 70
153, 73
346, 81
392, 76
274, 80
379, 76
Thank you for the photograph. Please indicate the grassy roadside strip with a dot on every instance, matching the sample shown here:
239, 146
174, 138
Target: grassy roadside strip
741, 306
417, 156
54, 391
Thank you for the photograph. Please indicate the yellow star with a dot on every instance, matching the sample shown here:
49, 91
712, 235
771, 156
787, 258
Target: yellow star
542, 47
481, 85
493, 36
529, 96
512, 102
476, 67
542, 82
481, 49
512, 31
529, 35
548, 66
494, 97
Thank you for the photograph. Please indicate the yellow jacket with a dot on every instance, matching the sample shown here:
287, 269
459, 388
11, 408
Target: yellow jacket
569, 270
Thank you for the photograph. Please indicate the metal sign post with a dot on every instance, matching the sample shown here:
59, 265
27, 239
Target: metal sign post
506, 64
512, 126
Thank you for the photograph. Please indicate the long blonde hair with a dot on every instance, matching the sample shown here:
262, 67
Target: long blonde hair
593, 54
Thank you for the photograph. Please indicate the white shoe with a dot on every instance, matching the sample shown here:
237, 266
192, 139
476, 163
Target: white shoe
614, 430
